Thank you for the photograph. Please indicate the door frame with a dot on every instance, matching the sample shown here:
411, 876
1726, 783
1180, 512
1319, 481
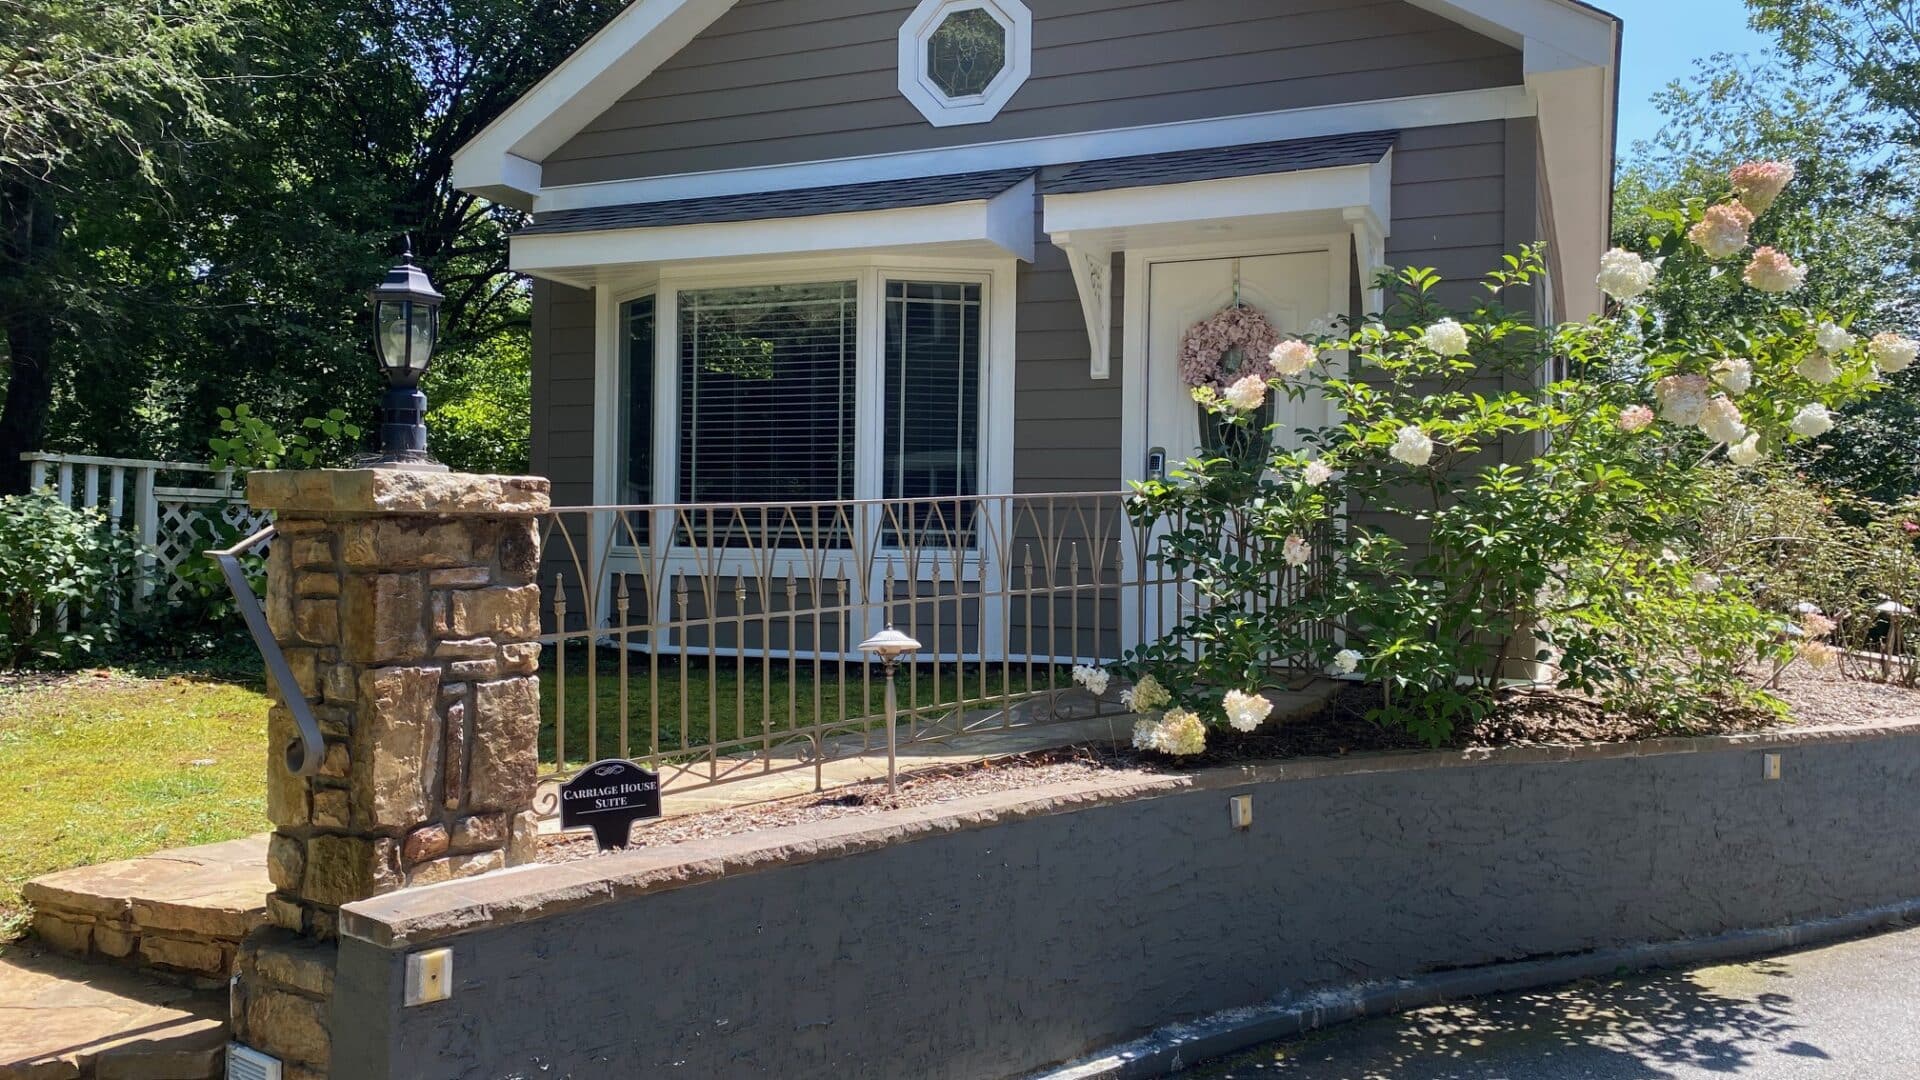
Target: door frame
1136, 307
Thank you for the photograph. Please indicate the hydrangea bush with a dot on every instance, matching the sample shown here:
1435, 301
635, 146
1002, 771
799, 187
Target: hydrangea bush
1495, 501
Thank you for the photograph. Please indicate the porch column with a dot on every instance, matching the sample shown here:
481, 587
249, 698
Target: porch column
407, 607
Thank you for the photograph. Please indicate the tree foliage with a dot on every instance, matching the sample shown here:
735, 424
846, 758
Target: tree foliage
1847, 216
328, 137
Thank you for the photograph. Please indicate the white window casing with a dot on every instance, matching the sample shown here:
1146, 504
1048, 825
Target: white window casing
917, 84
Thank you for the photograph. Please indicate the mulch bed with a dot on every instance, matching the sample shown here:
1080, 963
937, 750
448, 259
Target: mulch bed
1524, 720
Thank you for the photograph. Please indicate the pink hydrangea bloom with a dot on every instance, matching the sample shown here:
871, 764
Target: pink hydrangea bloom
1723, 232
1759, 183
1635, 418
1773, 272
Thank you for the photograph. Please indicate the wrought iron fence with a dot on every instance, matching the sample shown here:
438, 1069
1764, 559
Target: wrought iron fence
728, 650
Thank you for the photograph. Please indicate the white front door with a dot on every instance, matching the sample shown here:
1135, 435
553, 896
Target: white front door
1293, 290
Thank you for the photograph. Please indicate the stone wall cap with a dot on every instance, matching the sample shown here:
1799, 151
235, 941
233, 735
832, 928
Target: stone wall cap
411, 917
395, 491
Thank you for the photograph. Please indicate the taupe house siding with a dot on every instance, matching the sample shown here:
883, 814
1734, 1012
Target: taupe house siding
779, 81
1463, 195
561, 448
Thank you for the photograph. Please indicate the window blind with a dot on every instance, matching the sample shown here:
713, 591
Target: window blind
932, 414
767, 383
636, 402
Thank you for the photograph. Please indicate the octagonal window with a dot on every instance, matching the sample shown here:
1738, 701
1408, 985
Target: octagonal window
961, 61
965, 52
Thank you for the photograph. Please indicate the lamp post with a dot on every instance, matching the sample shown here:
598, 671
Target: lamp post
406, 326
890, 645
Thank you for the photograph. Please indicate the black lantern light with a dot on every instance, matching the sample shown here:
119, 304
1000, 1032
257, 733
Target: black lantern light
406, 326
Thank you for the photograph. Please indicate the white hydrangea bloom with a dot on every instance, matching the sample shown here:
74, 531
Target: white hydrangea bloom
1446, 337
1745, 452
1146, 733
1412, 447
1147, 695
1182, 734
1682, 398
1246, 712
1892, 353
1316, 473
1704, 582
1818, 368
1832, 338
1721, 421
1347, 661
1625, 275
1290, 358
1734, 376
1095, 679
1812, 421
1296, 550
1246, 394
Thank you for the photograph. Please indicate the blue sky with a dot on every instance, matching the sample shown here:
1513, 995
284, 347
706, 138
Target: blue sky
1663, 38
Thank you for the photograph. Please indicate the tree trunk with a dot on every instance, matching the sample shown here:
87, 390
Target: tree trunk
31, 231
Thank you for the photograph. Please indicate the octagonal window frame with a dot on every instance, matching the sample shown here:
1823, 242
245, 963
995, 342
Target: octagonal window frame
917, 84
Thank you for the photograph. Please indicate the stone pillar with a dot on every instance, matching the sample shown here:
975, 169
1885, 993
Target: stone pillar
407, 606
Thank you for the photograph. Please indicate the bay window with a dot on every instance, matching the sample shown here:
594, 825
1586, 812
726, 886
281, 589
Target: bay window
867, 386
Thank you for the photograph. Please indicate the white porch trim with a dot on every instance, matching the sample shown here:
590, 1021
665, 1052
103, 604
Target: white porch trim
501, 163
1271, 208
999, 227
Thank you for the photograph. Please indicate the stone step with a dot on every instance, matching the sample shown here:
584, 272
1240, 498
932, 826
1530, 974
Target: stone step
67, 1019
181, 912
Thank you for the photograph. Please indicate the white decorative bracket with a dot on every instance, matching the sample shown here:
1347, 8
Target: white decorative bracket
1092, 267
1370, 253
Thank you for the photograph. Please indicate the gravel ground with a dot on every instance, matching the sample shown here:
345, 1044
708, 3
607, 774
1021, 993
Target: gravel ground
1815, 698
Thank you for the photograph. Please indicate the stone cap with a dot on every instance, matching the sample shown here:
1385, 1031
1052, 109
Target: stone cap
395, 491
411, 917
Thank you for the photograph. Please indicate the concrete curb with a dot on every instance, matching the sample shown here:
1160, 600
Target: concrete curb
1173, 1048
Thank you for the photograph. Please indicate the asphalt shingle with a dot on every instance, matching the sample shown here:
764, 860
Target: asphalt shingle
1189, 166
800, 202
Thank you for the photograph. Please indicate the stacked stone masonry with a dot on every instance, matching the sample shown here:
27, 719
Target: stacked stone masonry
407, 608
181, 914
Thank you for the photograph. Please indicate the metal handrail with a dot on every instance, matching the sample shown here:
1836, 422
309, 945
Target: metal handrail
304, 753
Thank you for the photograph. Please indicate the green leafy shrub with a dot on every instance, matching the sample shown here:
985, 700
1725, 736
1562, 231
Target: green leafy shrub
66, 581
1497, 502
1809, 553
248, 442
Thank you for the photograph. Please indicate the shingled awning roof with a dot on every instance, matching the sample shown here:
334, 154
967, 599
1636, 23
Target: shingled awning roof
1221, 163
769, 205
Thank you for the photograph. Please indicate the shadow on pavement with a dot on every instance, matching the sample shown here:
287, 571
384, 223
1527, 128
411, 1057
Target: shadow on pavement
1718, 1021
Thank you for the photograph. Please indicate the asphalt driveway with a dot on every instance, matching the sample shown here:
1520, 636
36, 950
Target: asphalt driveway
1849, 1010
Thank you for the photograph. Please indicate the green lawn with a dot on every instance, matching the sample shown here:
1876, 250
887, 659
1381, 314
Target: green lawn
102, 766
95, 768
728, 701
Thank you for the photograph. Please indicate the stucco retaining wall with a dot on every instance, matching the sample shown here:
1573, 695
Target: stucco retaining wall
991, 937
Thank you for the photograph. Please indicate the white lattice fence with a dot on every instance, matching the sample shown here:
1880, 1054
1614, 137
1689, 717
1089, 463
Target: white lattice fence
178, 509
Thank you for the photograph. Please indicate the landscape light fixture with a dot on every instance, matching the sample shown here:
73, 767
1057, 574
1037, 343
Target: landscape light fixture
406, 326
889, 646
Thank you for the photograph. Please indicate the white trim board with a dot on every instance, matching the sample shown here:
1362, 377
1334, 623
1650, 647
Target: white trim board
1091, 226
1426, 110
998, 227
502, 160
